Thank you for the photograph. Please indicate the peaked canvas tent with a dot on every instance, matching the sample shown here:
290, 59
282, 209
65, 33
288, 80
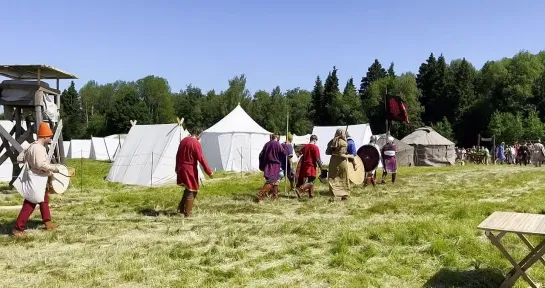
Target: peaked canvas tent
66, 148
234, 143
361, 134
430, 148
148, 156
404, 152
104, 148
79, 148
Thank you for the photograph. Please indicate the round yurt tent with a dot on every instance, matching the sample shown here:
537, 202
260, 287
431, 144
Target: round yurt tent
234, 143
404, 152
430, 148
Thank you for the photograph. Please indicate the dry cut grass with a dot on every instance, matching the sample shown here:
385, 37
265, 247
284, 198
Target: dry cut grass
419, 232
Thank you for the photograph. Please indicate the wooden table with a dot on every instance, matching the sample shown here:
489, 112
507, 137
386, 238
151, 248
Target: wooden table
520, 224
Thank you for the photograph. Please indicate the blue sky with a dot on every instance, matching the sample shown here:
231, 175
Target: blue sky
286, 43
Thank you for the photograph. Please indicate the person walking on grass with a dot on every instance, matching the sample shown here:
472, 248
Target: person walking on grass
188, 157
270, 162
39, 163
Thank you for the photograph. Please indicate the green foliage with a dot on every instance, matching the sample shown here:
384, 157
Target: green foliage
506, 126
457, 99
444, 128
533, 127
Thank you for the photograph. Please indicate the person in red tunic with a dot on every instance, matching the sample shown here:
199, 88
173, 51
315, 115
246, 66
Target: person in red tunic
310, 158
187, 158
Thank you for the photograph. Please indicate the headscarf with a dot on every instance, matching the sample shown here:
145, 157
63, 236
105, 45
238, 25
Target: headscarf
390, 139
340, 138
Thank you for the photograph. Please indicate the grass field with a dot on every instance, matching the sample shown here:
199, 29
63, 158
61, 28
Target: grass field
420, 232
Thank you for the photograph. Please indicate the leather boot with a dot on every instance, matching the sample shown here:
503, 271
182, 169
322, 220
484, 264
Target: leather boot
19, 234
50, 225
181, 204
310, 191
394, 177
275, 192
263, 192
188, 206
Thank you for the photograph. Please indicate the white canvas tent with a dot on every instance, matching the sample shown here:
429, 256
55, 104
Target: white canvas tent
361, 134
104, 148
234, 143
148, 156
66, 146
297, 140
79, 148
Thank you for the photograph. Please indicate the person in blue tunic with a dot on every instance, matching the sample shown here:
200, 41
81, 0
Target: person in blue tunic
351, 146
501, 153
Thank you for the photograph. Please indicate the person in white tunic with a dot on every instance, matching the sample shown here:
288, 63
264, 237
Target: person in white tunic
39, 163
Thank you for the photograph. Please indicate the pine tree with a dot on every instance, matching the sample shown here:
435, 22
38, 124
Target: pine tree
374, 72
71, 113
316, 104
331, 92
425, 80
391, 71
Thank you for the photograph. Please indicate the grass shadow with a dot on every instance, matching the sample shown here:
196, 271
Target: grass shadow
7, 189
6, 227
155, 213
472, 278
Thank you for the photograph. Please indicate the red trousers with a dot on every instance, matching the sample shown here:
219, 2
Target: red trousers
28, 208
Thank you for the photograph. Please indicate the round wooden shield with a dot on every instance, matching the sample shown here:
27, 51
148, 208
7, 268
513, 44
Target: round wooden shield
369, 156
60, 180
356, 171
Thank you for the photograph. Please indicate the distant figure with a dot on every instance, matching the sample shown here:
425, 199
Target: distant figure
389, 162
286, 161
351, 148
39, 163
539, 153
270, 160
310, 158
501, 153
187, 160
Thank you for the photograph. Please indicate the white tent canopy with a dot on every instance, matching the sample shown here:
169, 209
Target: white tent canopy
104, 148
66, 146
79, 148
297, 140
234, 143
148, 155
361, 134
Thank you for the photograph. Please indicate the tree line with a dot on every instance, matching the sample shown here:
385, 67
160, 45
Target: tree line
505, 98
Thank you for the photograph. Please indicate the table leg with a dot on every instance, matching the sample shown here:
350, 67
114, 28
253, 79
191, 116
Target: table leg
519, 271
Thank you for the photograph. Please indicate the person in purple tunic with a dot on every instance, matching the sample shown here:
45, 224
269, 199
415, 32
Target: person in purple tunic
270, 160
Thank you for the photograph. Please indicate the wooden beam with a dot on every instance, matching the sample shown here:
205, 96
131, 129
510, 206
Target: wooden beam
8, 137
56, 136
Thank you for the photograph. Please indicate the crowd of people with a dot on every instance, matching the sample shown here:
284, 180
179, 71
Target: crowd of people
275, 160
522, 154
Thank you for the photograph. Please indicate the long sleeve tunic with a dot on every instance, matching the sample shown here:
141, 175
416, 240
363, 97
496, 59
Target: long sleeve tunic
38, 160
187, 158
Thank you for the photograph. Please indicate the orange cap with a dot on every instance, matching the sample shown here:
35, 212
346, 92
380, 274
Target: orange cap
44, 130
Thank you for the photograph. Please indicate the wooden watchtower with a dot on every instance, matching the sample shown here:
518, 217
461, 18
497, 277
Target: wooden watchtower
26, 97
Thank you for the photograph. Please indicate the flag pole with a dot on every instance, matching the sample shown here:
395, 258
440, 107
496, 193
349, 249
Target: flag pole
287, 159
385, 112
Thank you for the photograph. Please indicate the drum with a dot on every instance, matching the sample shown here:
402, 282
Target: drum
370, 157
61, 180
